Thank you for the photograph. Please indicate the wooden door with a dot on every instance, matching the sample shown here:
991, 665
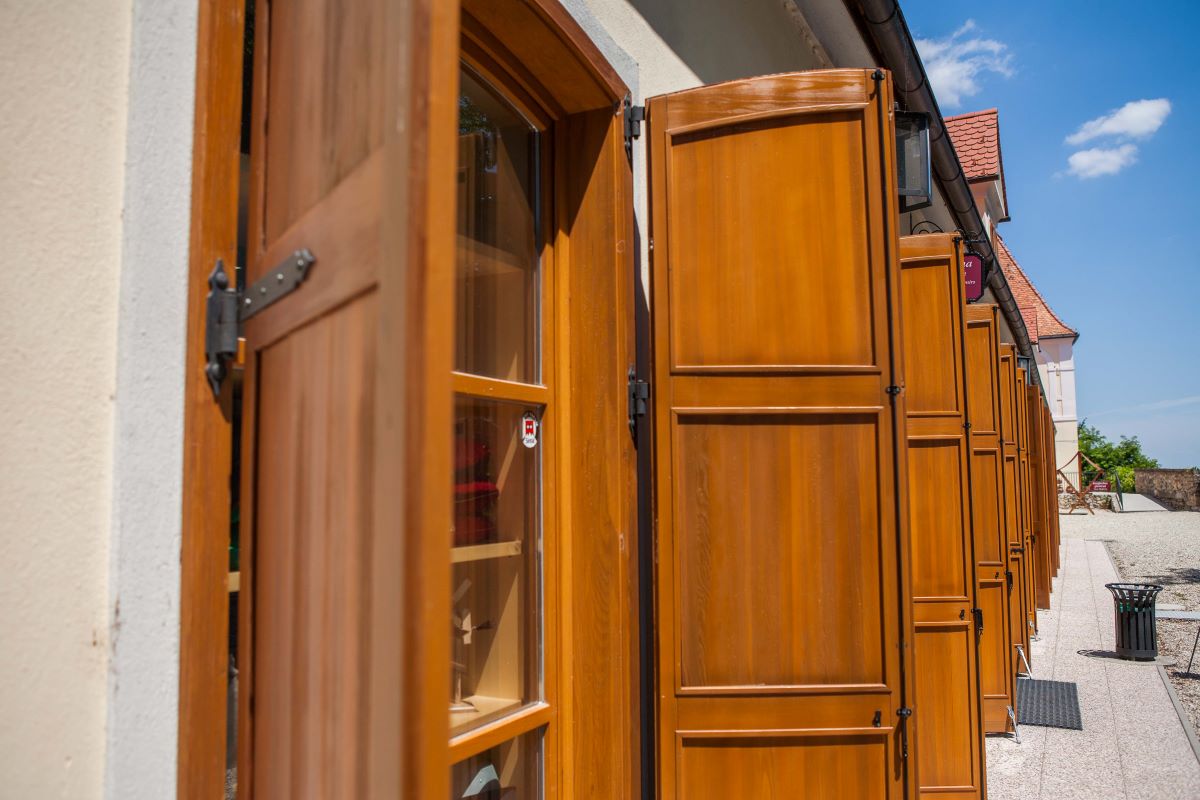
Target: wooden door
1052, 489
346, 494
949, 720
996, 672
781, 604
1026, 503
1014, 522
1037, 494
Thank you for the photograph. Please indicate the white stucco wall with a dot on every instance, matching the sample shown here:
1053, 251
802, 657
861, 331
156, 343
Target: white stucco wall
671, 46
147, 485
1056, 363
96, 128
65, 71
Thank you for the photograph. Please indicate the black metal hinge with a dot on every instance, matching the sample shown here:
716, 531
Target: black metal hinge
634, 116
1009, 575
977, 614
638, 395
893, 390
226, 308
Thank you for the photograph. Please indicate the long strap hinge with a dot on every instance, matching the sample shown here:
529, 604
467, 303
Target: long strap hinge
226, 309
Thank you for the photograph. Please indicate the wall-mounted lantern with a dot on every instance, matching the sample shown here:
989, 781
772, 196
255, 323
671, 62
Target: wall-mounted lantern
913, 161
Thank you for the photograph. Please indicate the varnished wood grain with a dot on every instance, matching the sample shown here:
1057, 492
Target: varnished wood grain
1014, 505
949, 714
600, 645
1026, 501
782, 589
345, 595
208, 435
713, 244
989, 512
1039, 467
326, 60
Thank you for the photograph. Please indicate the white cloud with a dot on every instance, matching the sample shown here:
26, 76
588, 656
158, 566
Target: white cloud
1100, 161
1136, 119
954, 64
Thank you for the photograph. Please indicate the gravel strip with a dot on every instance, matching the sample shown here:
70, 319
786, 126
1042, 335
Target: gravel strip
1163, 548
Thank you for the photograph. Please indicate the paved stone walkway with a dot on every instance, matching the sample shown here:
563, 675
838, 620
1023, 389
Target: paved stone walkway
1132, 744
1140, 502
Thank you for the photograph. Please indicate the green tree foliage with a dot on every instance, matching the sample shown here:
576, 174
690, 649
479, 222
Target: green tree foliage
1118, 460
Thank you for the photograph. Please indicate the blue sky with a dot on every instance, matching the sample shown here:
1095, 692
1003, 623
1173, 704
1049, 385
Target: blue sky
1115, 254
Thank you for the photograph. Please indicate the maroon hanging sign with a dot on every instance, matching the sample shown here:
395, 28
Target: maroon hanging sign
973, 276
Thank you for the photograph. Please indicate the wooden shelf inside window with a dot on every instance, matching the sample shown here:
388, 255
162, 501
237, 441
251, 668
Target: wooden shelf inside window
480, 260
486, 709
481, 552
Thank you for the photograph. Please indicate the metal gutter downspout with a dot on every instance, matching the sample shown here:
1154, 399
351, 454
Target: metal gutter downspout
883, 23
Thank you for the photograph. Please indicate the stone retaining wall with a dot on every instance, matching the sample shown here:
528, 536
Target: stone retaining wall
1178, 489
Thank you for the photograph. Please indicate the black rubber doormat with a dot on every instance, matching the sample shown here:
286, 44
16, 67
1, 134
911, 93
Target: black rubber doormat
1048, 704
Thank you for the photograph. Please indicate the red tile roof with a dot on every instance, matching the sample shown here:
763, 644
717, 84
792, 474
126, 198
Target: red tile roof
1040, 319
976, 139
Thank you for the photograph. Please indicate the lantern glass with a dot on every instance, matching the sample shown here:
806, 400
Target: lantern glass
912, 158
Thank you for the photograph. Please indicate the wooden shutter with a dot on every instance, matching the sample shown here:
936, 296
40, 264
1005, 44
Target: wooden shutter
780, 603
989, 509
949, 725
1025, 484
1038, 464
1052, 489
346, 492
1014, 498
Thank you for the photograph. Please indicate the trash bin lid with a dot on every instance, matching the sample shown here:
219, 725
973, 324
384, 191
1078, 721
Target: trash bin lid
1131, 590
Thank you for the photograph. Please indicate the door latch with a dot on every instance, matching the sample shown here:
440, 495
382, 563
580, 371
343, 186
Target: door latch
977, 615
904, 713
638, 395
226, 308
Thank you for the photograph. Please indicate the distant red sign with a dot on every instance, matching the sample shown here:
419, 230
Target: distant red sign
973, 276
1101, 486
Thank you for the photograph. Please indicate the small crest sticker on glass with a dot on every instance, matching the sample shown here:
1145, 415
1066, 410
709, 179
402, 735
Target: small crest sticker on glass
529, 429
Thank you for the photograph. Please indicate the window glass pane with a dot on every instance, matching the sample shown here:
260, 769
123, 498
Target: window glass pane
510, 771
497, 259
496, 574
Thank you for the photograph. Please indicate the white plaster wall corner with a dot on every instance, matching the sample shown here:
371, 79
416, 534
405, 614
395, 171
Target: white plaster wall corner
62, 133
147, 482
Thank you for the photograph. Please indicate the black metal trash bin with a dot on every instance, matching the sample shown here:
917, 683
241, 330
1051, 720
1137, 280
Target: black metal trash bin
1133, 612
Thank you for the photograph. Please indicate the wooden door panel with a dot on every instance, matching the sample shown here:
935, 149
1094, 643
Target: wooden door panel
1014, 498
1038, 464
948, 716
949, 741
987, 501
779, 575
347, 428
989, 509
931, 325
310, 549
779, 593
327, 74
939, 560
717, 300
1029, 553
782, 765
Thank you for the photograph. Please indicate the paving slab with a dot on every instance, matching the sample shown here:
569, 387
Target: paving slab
1132, 744
1140, 502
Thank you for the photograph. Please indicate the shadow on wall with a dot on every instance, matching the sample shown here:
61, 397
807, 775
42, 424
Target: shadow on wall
721, 41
